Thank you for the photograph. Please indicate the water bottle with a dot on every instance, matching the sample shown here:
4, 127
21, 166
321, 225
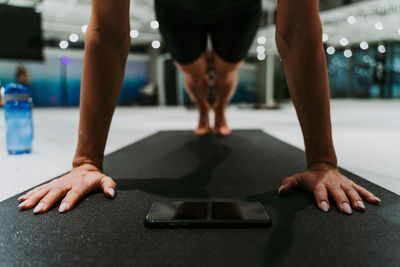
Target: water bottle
18, 115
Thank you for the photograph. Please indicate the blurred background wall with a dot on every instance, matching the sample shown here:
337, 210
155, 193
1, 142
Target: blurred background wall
362, 41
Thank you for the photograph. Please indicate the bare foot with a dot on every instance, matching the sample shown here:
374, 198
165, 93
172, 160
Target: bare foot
221, 126
204, 122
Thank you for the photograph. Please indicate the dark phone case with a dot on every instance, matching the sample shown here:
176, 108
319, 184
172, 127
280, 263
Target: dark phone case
207, 224
202, 223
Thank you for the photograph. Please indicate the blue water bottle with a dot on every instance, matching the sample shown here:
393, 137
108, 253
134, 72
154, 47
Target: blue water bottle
18, 115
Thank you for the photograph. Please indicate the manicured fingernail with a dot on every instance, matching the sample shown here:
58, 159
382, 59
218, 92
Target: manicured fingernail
280, 189
26, 202
379, 200
21, 197
111, 192
346, 208
361, 204
39, 207
62, 207
324, 206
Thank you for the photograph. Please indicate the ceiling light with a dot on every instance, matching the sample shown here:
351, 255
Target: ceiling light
325, 37
260, 56
364, 45
154, 24
155, 44
344, 41
84, 28
381, 49
351, 20
261, 40
379, 26
74, 37
260, 49
330, 50
63, 44
347, 53
134, 34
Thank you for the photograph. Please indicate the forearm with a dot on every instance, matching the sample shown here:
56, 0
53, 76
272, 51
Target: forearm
307, 77
102, 78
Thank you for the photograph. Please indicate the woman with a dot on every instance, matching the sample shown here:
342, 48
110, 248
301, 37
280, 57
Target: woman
231, 25
298, 36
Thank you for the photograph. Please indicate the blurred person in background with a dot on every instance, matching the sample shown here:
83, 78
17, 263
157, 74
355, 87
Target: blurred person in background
299, 41
231, 25
22, 75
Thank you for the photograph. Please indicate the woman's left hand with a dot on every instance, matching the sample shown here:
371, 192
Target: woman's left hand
322, 179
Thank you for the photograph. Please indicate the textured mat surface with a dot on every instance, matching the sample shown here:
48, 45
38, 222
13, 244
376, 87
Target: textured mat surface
175, 165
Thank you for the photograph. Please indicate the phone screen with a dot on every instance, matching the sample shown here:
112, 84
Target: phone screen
207, 214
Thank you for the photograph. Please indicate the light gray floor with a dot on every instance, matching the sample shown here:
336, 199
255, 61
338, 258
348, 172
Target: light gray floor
366, 136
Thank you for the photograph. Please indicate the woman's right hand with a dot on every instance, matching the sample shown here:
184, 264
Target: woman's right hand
70, 187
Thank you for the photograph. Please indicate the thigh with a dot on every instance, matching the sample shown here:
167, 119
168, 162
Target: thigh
186, 40
196, 68
222, 67
232, 36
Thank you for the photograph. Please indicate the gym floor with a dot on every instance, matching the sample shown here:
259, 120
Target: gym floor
365, 132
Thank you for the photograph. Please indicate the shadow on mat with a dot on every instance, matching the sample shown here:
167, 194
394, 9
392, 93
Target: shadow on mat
286, 207
211, 152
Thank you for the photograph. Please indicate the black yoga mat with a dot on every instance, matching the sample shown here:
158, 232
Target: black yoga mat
176, 165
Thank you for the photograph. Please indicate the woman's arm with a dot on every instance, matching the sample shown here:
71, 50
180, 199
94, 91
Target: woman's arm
299, 41
107, 45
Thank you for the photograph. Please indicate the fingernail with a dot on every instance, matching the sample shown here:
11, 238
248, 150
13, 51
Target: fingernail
346, 208
280, 189
379, 200
26, 202
21, 197
39, 207
361, 204
62, 207
111, 192
324, 206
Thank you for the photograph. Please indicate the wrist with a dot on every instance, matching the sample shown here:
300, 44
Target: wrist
86, 164
87, 167
322, 166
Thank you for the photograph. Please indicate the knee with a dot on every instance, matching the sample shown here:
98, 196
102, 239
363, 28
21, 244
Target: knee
195, 80
291, 36
225, 77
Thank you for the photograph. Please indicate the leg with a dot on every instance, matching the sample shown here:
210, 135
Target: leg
226, 79
196, 80
231, 40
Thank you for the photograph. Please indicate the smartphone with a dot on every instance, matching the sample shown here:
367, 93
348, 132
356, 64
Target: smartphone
207, 214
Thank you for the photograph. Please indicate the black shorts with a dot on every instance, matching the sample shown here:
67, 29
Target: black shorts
185, 33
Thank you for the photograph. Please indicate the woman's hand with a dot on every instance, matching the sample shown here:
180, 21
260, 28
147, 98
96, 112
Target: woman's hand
322, 179
71, 187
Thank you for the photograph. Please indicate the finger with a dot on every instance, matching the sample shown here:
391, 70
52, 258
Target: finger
108, 185
321, 197
71, 198
356, 200
289, 183
340, 198
48, 200
30, 193
368, 196
34, 199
